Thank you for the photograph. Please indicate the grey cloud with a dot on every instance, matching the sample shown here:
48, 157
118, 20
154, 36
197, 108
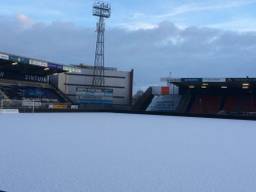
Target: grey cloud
189, 52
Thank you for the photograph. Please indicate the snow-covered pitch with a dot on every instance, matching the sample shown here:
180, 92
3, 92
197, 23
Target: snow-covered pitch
103, 152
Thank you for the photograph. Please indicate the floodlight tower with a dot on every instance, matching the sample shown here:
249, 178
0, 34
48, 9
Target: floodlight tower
102, 10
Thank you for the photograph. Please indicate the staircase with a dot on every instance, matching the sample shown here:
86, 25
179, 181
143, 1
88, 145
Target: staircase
184, 104
144, 101
67, 100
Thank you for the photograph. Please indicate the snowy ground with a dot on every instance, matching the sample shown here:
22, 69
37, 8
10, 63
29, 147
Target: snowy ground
125, 153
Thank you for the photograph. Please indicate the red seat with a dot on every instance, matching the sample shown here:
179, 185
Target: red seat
242, 103
206, 104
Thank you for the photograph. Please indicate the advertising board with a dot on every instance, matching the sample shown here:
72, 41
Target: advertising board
214, 80
20, 76
71, 69
28, 103
4, 56
192, 80
38, 63
55, 66
94, 96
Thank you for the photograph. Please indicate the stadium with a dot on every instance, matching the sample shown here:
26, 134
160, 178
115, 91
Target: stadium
83, 128
35, 85
31, 85
203, 96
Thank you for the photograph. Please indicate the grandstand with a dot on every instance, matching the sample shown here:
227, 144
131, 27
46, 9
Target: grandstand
25, 83
208, 96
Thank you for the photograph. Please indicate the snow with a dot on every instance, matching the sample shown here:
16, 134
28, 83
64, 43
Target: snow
104, 152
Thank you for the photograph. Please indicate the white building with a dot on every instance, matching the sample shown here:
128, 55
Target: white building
119, 84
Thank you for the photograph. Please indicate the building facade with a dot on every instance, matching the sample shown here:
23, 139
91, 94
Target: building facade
118, 84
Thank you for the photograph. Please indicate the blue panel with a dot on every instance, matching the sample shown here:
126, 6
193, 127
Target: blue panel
55, 66
88, 101
18, 59
24, 60
192, 80
14, 58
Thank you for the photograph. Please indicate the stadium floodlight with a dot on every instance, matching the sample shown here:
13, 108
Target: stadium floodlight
245, 85
101, 9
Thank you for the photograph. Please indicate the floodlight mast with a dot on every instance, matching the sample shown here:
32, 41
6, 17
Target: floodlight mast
102, 10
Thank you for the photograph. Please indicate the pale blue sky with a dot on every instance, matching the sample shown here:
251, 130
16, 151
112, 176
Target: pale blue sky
190, 38
133, 14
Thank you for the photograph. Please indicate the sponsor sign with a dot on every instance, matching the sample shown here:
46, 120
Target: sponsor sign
4, 56
23, 77
89, 92
58, 106
31, 103
55, 66
71, 69
95, 96
214, 80
192, 80
38, 63
19, 59
35, 78
7, 111
14, 58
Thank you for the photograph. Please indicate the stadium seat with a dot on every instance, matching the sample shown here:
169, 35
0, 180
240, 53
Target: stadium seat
42, 94
241, 103
205, 104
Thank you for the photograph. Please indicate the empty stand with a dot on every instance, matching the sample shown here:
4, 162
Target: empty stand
46, 95
168, 103
184, 103
240, 103
231, 104
144, 101
205, 104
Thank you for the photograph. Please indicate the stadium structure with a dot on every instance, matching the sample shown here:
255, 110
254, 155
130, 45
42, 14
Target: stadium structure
202, 96
33, 84
29, 84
